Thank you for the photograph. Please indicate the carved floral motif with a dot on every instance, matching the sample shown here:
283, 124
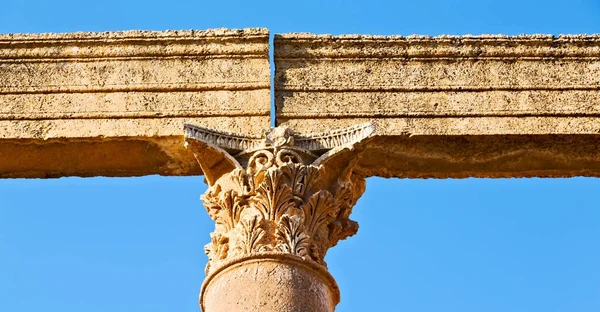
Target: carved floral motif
283, 200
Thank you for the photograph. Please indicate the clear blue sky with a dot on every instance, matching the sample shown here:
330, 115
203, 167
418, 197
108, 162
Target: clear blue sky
136, 244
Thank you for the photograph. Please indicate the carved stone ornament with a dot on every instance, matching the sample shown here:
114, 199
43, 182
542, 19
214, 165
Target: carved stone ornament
278, 193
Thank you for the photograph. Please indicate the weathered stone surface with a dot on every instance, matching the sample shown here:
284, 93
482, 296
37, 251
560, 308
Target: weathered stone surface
489, 106
271, 283
114, 103
279, 203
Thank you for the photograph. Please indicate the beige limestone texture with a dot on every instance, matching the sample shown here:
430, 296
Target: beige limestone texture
270, 283
114, 103
279, 202
469, 106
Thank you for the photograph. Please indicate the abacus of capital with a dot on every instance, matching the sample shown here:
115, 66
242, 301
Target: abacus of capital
346, 108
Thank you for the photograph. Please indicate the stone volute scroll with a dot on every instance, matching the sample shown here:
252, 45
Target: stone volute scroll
279, 202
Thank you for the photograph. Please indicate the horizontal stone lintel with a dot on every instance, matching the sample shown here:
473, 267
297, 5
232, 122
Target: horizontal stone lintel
448, 106
114, 104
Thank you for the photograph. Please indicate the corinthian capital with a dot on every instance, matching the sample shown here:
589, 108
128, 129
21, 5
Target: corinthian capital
280, 193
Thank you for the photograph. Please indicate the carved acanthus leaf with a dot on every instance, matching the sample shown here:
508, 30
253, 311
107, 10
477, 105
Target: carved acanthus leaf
252, 234
273, 197
291, 236
282, 193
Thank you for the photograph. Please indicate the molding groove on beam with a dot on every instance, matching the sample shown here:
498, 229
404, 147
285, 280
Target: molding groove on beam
448, 106
114, 103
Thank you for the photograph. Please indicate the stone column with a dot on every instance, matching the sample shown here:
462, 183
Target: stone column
279, 202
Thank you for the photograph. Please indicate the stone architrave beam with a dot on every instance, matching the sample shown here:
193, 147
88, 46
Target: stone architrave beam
279, 202
488, 106
114, 104
88, 104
